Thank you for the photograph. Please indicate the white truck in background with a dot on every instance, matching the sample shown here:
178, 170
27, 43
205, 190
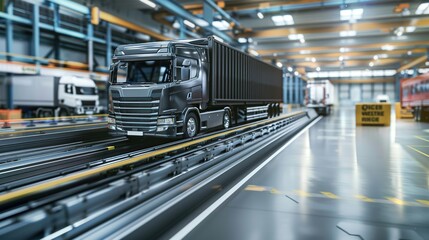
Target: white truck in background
48, 96
319, 95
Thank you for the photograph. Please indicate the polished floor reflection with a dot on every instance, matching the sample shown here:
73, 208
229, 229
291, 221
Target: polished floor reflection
336, 181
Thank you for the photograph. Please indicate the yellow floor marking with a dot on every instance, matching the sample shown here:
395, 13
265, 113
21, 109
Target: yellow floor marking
364, 198
424, 202
424, 139
110, 148
330, 195
397, 201
275, 191
255, 188
422, 153
302, 193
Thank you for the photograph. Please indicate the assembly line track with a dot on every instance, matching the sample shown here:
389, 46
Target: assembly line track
169, 161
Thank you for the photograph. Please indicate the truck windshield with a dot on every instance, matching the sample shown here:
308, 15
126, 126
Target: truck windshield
153, 71
86, 91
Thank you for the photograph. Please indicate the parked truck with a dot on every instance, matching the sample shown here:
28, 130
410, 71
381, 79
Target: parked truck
415, 95
319, 95
47, 96
179, 88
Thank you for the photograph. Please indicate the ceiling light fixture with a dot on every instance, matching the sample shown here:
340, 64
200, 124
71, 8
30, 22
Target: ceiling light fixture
351, 14
260, 15
242, 40
343, 49
347, 33
427, 63
281, 20
221, 25
304, 52
376, 57
423, 8
371, 64
387, 47
399, 31
290, 69
189, 24
253, 52
296, 73
279, 64
295, 36
313, 59
149, 3
341, 58
318, 69
410, 29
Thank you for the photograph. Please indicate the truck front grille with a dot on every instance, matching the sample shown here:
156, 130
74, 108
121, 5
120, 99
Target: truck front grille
136, 114
88, 103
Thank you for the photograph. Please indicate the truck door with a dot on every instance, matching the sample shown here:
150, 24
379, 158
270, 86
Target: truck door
187, 72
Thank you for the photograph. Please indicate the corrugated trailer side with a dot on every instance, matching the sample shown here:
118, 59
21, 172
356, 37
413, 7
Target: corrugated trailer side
238, 78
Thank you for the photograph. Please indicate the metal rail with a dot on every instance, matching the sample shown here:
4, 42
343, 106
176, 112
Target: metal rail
50, 185
142, 182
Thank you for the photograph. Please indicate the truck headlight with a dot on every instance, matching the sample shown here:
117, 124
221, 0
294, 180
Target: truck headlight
111, 120
162, 121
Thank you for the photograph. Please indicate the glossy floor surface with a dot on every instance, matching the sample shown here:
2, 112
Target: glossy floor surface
335, 181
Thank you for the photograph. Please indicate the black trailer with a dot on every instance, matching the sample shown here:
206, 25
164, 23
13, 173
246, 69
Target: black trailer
175, 88
240, 79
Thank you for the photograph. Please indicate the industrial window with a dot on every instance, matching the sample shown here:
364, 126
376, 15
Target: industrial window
186, 68
68, 88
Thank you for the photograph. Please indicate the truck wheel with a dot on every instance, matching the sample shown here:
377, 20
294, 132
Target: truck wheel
63, 113
226, 120
190, 129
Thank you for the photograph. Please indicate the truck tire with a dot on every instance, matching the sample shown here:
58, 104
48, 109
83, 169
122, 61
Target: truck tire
226, 123
44, 113
63, 113
191, 126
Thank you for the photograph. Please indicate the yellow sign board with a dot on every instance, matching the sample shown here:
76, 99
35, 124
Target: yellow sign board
373, 114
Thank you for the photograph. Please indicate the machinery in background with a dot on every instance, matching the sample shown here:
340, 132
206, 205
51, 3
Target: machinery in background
415, 95
178, 88
319, 95
48, 96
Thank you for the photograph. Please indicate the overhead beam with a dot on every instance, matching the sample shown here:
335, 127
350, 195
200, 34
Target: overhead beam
357, 53
132, 26
413, 63
336, 27
416, 44
181, 12
361, 80
224, 14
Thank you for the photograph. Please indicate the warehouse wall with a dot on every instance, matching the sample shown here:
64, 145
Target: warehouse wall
348, 94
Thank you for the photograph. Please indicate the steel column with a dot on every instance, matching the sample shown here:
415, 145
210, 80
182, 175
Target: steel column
207, 12
182, 29
36, 36
397, 87
296, 85
108, 44
9, 30
284, 86
9, 49
90, 34
290, 85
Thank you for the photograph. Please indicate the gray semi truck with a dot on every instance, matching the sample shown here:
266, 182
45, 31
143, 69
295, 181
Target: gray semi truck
181, 87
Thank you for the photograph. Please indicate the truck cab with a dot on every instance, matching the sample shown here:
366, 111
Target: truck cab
77, 95
155, 86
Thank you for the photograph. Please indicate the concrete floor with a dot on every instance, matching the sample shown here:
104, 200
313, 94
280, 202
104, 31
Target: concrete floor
335, 181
